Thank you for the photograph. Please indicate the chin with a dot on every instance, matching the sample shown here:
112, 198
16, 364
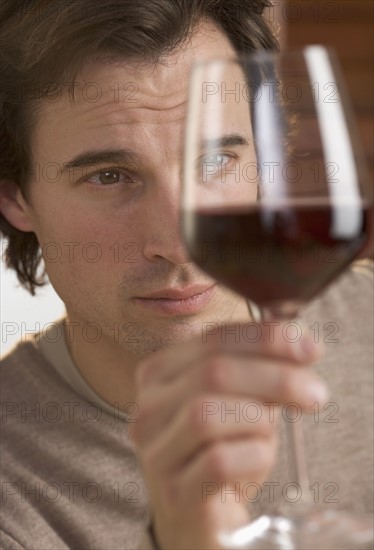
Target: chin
151, 341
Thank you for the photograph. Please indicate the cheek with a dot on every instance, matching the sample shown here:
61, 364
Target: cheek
87, 248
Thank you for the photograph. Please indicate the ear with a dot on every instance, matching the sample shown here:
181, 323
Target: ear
13, 206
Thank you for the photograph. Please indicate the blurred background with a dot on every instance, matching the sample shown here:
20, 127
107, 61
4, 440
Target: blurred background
345, 25
21, 313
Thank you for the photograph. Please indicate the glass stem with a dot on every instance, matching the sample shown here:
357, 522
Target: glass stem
299, 466
295, 433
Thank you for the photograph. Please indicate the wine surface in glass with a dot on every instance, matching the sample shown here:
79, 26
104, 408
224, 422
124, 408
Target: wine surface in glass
277, 254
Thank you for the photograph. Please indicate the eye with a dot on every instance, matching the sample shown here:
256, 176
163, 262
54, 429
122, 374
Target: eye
110, 177
214, 167
219, 158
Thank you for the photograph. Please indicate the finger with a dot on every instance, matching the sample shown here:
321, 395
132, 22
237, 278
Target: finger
248, 459
204, 421
272, 341
228, 378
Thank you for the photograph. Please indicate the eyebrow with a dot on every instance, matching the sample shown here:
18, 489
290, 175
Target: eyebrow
91, 158
230, 140
117, 156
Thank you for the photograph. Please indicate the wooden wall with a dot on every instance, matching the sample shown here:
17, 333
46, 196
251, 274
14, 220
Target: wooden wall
347, 26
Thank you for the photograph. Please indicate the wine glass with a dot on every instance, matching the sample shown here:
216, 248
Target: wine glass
276, 205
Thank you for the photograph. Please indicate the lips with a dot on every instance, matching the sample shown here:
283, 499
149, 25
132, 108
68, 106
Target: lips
177, 294
178, 301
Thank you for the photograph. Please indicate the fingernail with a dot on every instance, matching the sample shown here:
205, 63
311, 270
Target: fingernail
317, 391
309, 349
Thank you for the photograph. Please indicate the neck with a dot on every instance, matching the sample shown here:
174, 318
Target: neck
106, 367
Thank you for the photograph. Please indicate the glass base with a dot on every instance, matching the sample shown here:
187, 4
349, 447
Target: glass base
328, 530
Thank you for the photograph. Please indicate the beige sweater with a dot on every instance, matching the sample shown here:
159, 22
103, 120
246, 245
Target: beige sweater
70, 476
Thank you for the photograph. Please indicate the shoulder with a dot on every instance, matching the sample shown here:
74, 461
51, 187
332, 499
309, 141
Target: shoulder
7, 542
365, 268
357, 280
350, 296
19, 364
27, 375
343, 318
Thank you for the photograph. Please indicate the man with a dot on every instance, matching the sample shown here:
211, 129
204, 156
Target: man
103, 424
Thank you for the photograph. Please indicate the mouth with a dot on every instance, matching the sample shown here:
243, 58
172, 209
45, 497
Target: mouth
178, 302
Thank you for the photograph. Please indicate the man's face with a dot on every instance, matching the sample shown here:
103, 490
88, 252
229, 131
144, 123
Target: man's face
111, 239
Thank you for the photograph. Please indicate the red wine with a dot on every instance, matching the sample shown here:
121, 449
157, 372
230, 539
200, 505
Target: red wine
276, 254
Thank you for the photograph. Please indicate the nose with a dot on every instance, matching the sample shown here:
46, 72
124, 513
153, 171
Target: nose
162, 226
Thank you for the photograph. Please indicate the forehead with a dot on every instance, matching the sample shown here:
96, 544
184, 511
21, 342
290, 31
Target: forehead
123, 100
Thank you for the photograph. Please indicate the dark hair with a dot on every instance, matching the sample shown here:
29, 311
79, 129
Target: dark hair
44, 43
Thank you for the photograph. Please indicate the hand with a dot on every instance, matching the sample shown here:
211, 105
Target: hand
182, 447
